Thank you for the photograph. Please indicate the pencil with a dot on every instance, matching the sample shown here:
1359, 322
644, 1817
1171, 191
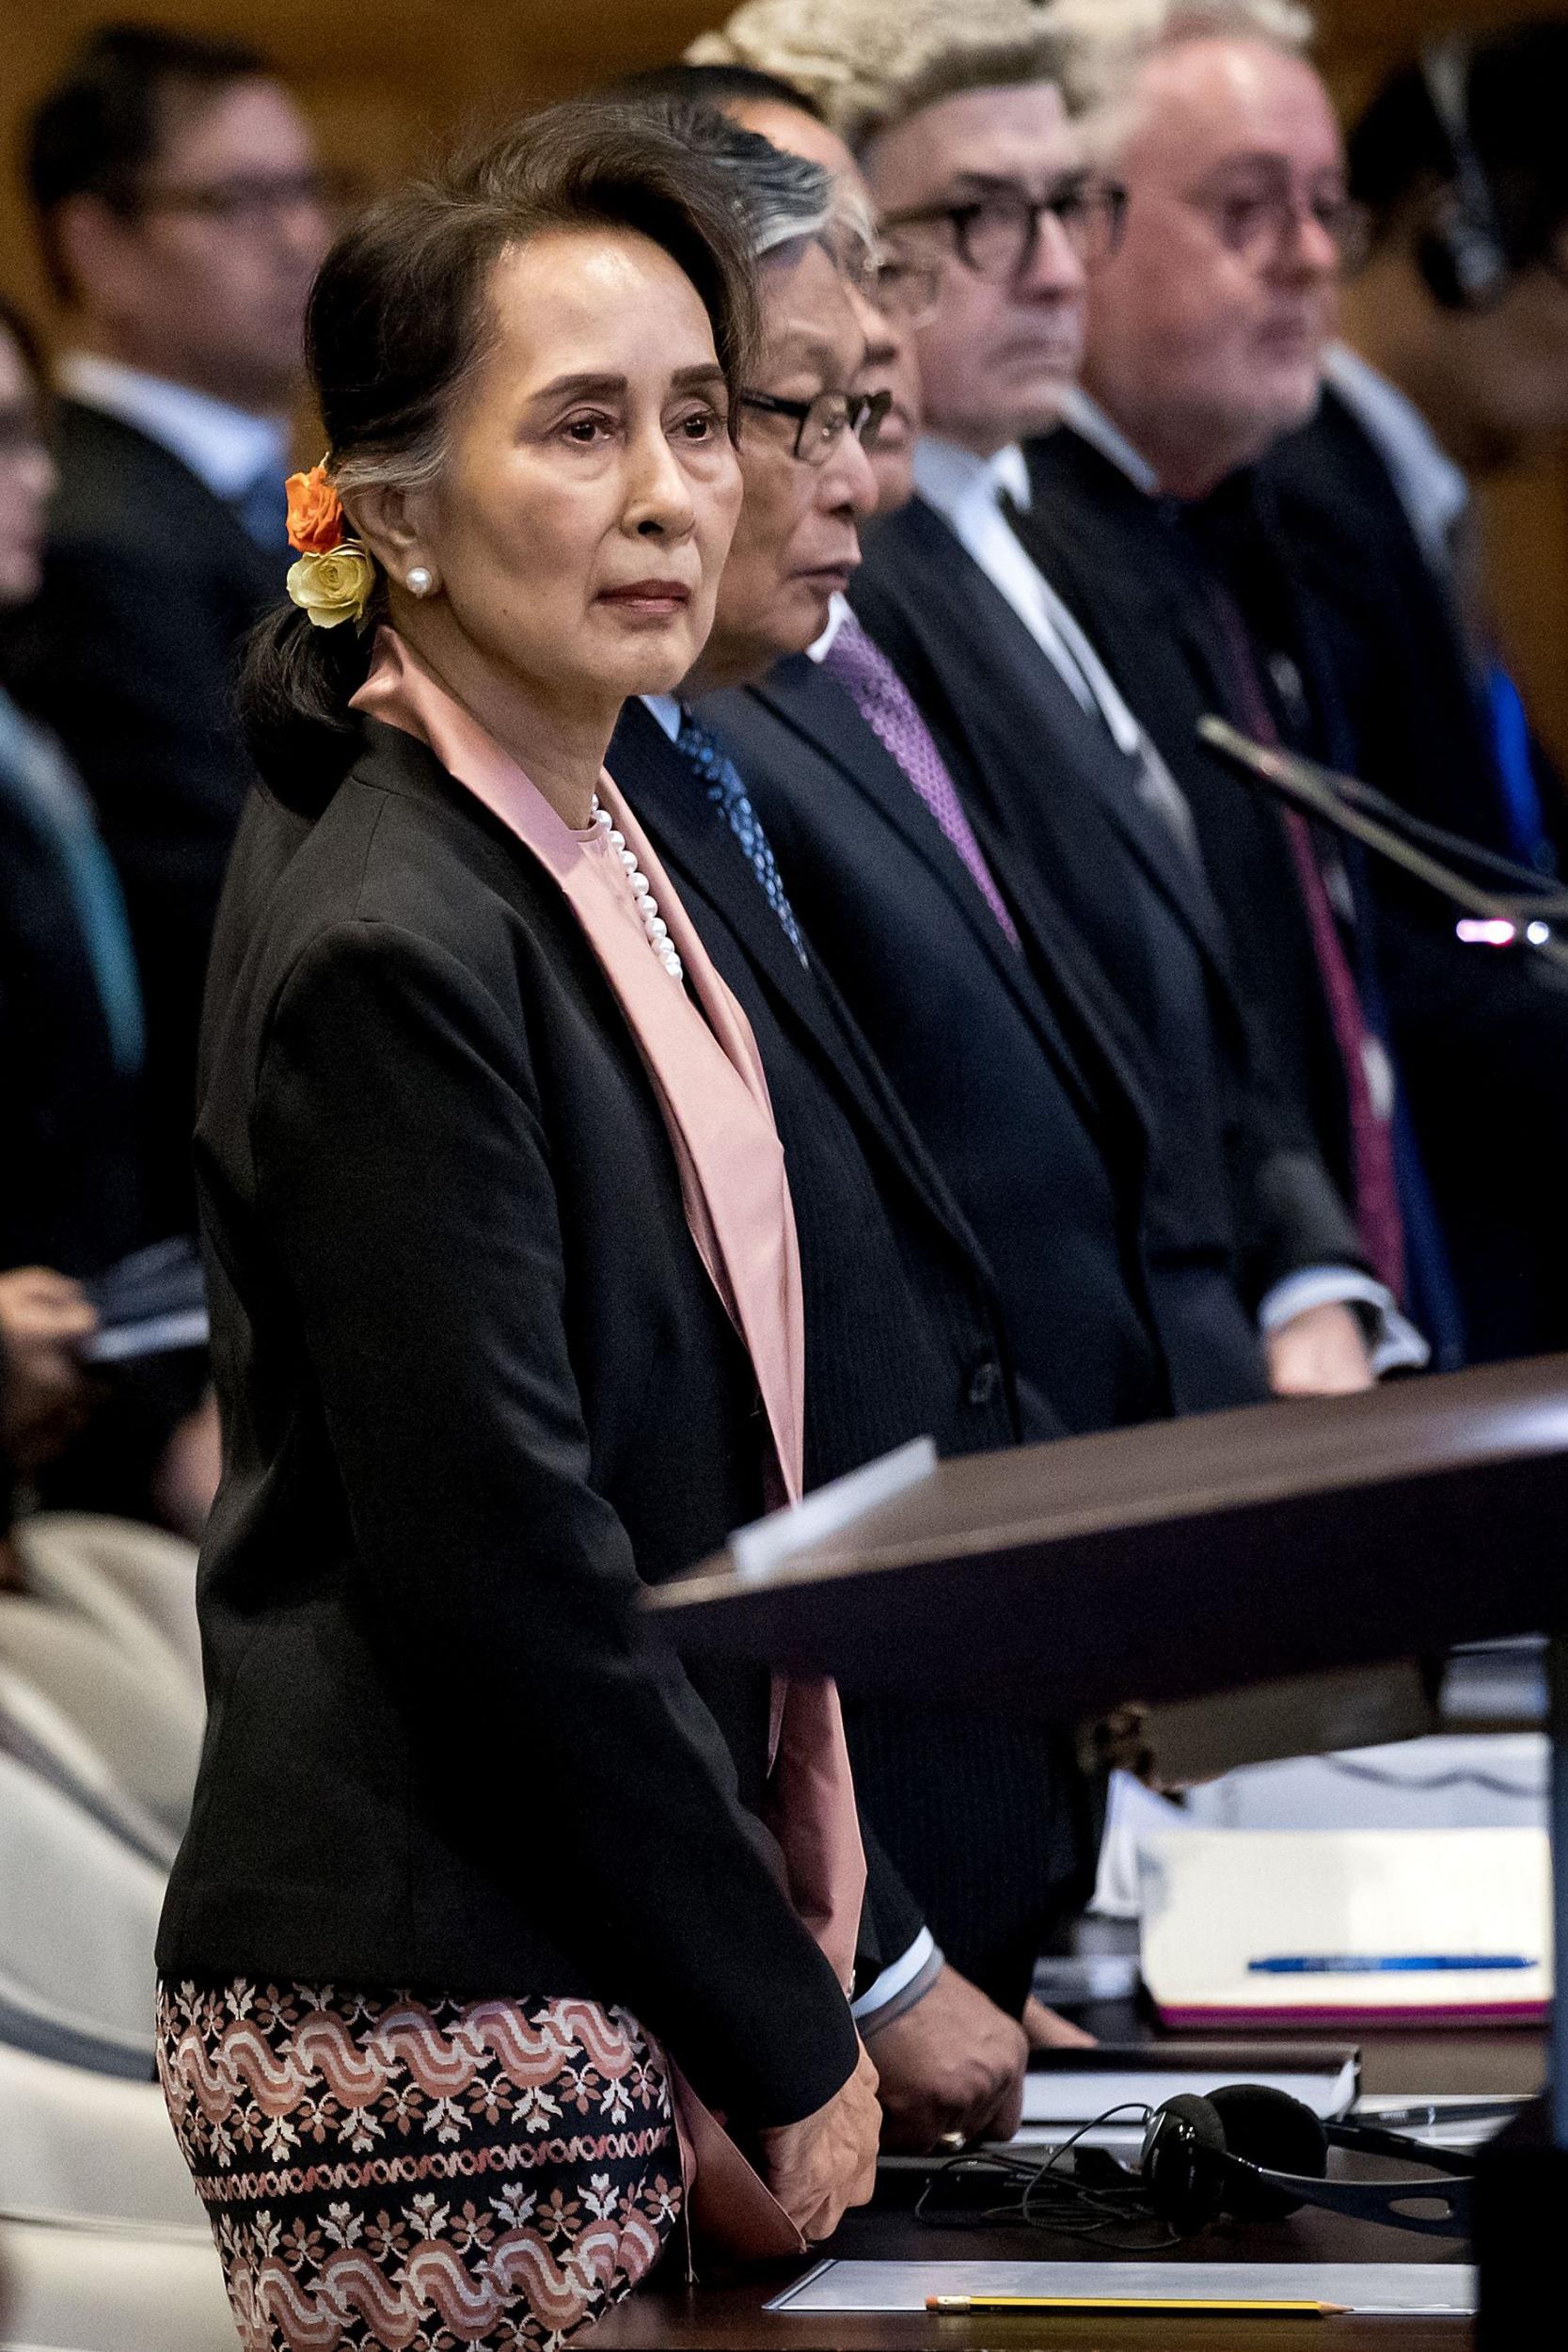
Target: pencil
986, 2304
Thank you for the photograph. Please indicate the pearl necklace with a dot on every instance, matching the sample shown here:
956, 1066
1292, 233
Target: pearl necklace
654, 923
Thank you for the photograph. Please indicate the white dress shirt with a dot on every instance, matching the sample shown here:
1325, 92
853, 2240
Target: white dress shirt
227, 447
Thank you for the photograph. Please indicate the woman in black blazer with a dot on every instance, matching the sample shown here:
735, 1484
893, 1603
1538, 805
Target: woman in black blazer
470, 1868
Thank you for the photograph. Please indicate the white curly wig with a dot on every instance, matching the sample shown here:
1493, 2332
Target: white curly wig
871, 63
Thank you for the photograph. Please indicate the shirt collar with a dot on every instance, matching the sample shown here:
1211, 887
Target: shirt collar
1431, 488
1084, 417
838, 612
953, 480
666, 710
229, 449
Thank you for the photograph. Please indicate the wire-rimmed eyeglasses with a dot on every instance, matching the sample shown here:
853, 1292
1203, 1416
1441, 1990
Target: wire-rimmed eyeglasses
997, 234
820, 424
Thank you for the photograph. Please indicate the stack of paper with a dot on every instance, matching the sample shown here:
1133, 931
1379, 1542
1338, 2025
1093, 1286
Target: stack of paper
1065, 2089
1445, 2289
1347, 1928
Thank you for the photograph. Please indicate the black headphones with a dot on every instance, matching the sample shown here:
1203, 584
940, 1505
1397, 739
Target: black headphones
1461, 254
1256, 2152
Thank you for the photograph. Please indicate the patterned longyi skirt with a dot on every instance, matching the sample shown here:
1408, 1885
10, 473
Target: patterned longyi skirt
418, 2175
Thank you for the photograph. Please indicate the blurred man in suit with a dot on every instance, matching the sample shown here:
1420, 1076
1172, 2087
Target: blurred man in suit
181, 216
1453, 367
1153, 515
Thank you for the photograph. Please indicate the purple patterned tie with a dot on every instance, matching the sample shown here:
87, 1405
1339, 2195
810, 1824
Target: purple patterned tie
886, 705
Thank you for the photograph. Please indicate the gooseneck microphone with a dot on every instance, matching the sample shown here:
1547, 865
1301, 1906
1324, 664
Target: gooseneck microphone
1344, 802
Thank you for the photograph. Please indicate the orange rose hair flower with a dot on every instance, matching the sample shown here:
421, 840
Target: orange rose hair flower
317, 524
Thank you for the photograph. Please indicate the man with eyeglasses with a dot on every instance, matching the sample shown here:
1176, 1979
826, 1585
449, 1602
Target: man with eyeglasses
181, 216
1156, 515
979, 176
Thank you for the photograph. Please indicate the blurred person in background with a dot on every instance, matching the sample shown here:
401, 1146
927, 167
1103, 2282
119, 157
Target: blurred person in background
1453, 367
181, 212
1156, 513
71, 1060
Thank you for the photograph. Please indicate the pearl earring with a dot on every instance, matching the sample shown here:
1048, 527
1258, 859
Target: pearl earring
420, 579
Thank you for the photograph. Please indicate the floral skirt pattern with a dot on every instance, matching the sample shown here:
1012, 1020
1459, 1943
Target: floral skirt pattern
418, 2175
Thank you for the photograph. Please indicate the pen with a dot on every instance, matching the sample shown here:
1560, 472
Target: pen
986, 2305
1383, 1963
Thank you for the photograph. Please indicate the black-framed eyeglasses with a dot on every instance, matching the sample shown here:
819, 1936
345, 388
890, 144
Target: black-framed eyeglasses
250, 201
905, 289
997, 234
820, 424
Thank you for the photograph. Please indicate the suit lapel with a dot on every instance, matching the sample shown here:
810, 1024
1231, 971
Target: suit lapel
710, 869
1084, 1039
973, 611
818, 710
693, 836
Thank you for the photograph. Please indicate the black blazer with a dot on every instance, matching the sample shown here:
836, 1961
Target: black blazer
1482, 1041
984, 1818
903, 1334
1406, 666
1005, 1064
1064, 807
1124, 564
476, 1384
149, 585
1483, 1038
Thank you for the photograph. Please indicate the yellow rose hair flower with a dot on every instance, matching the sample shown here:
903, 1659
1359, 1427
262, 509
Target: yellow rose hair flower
333, 586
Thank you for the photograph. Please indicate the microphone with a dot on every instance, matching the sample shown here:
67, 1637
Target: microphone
1344, 802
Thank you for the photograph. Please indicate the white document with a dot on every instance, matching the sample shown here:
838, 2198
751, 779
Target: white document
1215, 1900
1078, 2097
1438, 2289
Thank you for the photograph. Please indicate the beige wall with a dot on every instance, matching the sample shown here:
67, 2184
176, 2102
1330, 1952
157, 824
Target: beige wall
381, 78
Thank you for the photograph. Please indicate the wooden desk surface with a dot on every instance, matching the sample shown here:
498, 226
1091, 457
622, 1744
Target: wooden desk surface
730, 2318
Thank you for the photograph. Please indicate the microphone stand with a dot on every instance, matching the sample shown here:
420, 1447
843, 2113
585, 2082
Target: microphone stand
1342, 801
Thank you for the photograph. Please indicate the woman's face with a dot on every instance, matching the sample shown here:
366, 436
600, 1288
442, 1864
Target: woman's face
26, 478
580, 526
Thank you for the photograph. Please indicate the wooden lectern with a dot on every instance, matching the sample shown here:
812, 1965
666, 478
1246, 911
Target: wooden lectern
1198, 1557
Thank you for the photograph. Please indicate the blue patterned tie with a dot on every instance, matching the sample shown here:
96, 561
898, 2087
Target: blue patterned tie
724, 789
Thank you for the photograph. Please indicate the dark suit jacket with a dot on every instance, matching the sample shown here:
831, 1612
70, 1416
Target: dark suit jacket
1405, 662
70, 1193
1482, 1041
70, 1188
475, 1383
151, 583
1123, 564
1006, 1066
983, 1817
1063, 805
